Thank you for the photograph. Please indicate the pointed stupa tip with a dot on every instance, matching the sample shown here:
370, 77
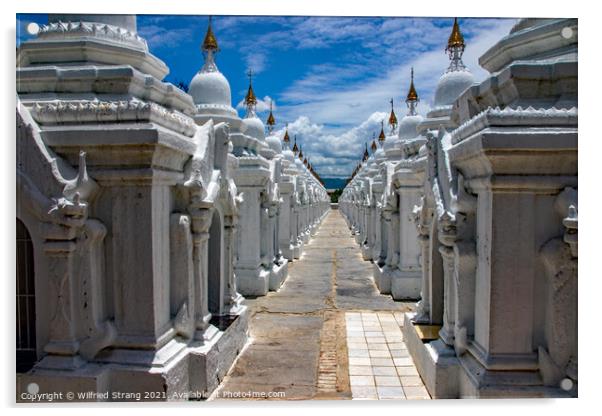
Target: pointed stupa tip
210, 42
381, 136
392, 116
250, 98
456, 40
271, 120
300, 153
286, 139
373, 147
412, 94
295, 147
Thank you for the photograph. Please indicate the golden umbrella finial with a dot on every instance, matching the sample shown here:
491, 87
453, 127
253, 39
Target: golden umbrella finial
286, 139
210, 42
455, 48
412, 99
392, 117
250, 98
381, 136
412, 94
295, 148
271, 120
456, 40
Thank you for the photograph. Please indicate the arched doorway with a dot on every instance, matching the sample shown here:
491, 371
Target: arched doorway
26, 301
215, 267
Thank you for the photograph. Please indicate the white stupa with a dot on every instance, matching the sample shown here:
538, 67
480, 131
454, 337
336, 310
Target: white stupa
409, 124
287, 152
456, 79
209, 88
272, 140
252, 125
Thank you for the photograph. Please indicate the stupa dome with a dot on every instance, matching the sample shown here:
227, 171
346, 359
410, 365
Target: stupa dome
254, 127
210, 87
408, 125
451, 85
274, 143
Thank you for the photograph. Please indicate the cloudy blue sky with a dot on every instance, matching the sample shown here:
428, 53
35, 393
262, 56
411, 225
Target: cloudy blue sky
330, 78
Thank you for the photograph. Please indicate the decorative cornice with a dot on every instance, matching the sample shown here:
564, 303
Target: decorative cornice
513, 117
224, 107
95, 111
75, 30
113, 80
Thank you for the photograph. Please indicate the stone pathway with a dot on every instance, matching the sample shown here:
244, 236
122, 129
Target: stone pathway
327, 324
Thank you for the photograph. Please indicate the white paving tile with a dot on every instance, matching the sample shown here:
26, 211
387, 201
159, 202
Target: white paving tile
382, 371
361, 370
361, 380
364, 392
387, 381
387, 392
379, 364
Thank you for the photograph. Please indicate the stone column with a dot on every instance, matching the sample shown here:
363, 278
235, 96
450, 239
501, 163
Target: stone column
252, 278
201, 221
284, 227
393, 246
265, 241
138, 209
232, 299
62, 323
447, 331
407, 284
515, 216
377, 242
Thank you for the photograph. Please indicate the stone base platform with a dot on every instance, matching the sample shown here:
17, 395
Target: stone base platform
447, 376
288, 253
180, 370
382, 277
436, 363
252, 282
305, 236
278, 275
401, 285
297, 250
405, 285
366, 252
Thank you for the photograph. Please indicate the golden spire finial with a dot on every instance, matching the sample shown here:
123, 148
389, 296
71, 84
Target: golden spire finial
455, 39
250, 99
300, 153
366, 154
295, 147
412, 94
412, 98
392, 117
210, 42
381, 136
455, 48
271, 120
286, 139
373, 147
